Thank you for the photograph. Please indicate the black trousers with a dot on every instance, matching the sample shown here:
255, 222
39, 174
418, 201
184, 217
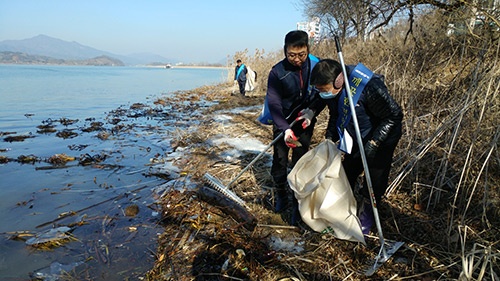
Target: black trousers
241, 84
280, 165
379, 168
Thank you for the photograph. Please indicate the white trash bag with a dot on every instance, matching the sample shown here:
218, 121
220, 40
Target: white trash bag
326, 201
250, 84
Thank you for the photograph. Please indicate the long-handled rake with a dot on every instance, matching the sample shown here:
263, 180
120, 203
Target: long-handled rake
387, 248
218, 185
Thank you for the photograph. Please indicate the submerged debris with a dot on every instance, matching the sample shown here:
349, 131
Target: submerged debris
3, 159
78, 147
67, 122
66, 134
88, 159
103, 135
55, 271
48, 128
94, 126
131, 210
51, 238
17, 138
31, 159
60, 159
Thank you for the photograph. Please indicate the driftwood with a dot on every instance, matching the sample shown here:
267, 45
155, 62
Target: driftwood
228, 206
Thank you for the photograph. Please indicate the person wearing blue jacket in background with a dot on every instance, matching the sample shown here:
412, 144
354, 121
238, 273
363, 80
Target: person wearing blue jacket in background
240, 76
288, 94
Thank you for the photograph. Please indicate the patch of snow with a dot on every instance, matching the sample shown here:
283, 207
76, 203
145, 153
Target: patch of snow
247, 109
180, 184
222, 118
163, 166
292, 246
241, 143
231, 155
55, 271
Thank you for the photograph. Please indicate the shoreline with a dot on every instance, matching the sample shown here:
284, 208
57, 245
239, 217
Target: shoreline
144, 65
190, 66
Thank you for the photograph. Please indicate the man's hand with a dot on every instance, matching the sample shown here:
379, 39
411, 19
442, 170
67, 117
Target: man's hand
290, 139
307, 115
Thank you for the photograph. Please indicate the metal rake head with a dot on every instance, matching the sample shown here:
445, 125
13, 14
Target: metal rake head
386, 251
219, 186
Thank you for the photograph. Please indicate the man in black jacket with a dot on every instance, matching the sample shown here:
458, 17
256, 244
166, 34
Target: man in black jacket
379, 118
288, 92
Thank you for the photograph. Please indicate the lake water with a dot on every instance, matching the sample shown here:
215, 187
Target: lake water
109, 245
80, 92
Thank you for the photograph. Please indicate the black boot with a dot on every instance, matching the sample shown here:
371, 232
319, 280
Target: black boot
281, 198
295, 218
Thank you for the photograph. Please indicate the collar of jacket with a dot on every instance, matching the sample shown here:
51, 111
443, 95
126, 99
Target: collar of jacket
290, 67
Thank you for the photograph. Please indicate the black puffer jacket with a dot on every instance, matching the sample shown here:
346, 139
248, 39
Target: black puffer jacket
379, 115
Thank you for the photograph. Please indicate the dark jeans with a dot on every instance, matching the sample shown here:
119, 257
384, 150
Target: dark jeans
241, 84
279, 169
379, 169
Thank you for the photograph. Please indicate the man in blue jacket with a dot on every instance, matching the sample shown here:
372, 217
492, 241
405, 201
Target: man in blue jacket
379, 118
288, 93
240, 76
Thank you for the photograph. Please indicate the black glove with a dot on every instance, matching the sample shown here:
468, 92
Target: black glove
370, 150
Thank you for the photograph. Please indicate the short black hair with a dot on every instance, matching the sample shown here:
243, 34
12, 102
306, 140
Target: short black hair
238, 61
325, 72
296, 38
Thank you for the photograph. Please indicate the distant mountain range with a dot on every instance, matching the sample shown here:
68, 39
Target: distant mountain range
53, 48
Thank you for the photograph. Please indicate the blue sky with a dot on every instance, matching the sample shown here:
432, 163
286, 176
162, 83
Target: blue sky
187, 30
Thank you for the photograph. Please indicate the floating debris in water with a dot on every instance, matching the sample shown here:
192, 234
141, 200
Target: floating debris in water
51, 238
4, 159
94, 126
137, 106
54, 272
131, 210
17, 138
66, 134
79, 147
88, 159
114, 121
28, 159
6, 133
60, 159
49, 128
103, 135
66, 121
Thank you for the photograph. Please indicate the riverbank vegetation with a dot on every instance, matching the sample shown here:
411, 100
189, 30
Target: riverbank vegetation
444, 188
